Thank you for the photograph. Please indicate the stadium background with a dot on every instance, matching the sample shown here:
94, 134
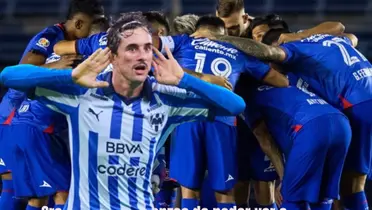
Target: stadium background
21, 19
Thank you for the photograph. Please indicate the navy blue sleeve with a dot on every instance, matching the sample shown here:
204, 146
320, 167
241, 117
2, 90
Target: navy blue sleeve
291, 52
43, 43
255, 67
225, 101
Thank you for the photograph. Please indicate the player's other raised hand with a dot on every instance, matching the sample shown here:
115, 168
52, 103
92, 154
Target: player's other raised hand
85, 74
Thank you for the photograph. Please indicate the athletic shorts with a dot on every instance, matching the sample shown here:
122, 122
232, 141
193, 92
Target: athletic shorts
359, 157
200, 146
42, 163
6, 144
314, 163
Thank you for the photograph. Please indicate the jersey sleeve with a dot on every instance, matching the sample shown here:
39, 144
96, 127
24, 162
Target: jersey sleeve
43, 43
291, 52
87, 46
174, 43
183, 106
195, 99
53, 87
255, 67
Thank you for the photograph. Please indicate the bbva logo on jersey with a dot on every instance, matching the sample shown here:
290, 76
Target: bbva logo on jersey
156, 121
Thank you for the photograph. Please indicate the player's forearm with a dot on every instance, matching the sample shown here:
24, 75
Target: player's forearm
253, 48
332, 28
65, 48
269, 147
25, 76
226, 102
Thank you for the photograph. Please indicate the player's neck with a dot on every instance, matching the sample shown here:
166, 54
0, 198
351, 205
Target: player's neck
126, 88
69, 30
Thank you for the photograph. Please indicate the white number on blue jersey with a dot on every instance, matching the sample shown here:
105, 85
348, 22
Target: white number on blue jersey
303, 86
219, 66
349, 60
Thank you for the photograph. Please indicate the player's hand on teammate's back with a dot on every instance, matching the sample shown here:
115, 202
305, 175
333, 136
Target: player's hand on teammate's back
217, 80
289, 37
204, 34
65, 62
278, 195
85, 74
166, 71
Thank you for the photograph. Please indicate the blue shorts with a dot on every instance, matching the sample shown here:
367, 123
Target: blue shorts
360, 152
314, 164
6, 143
207, 196
252, 161
200, 146
43, 163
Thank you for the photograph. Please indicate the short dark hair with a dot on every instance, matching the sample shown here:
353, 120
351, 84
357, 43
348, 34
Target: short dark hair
210, 22
272, 20
127, 21
88, 7
273, 35
101, 24
185, 24
227, 7
158, 17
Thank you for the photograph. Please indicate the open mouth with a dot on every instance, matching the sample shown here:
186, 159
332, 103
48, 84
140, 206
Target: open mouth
140, 67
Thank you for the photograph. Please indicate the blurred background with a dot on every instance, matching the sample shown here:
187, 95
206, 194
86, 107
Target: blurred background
21, 19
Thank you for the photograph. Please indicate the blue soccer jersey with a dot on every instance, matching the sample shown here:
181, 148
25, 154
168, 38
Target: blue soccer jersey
213, 57
42, 43
332, 67
285, 110
87, 46
113, 140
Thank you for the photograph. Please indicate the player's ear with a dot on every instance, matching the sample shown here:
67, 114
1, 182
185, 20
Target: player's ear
78, 24
216, 13
245, 18
161, 32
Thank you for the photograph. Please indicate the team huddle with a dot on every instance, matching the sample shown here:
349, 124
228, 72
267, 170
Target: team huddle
242, 100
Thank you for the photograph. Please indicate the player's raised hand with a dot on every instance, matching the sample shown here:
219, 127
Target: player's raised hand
217, 80
289, 37
85, 74
204, 34
166, 71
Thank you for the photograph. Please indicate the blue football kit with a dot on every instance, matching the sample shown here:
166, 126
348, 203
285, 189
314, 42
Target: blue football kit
39, 143
313, 136
341, 75
200, 146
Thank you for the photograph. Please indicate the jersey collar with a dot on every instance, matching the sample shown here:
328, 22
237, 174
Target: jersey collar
146, 91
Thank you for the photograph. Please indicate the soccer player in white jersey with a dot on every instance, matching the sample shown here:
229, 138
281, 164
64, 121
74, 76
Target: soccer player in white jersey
115, 126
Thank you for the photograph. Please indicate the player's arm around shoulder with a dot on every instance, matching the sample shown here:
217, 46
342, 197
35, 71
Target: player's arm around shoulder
353, 39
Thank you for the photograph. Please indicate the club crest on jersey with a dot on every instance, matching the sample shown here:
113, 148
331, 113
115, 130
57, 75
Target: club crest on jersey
156, 121
103, 40
44, 43
24, 108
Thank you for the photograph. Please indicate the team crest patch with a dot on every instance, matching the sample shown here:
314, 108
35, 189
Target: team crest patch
43, 43
156, 121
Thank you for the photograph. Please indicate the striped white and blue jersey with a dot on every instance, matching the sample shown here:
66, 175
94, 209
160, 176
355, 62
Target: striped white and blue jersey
113, 140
